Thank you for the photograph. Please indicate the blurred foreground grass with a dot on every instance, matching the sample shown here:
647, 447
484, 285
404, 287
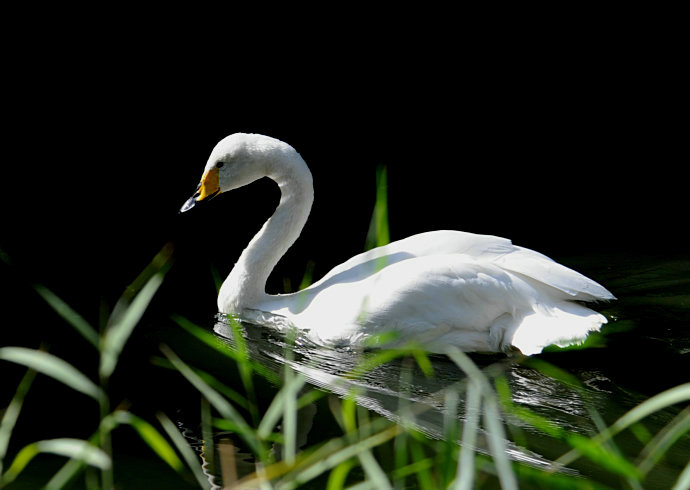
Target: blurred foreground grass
354, 458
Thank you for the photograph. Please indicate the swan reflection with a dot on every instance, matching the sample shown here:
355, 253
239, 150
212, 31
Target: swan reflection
400, 391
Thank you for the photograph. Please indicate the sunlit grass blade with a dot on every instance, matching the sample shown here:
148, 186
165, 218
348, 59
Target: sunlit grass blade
337, 477
663, 440
72, 448
672, 396
492, 417
465, 472
497, 443
150, 435
52, 366
69, 315
116, 334
325, 461
683, 482
9, 418
658, 402
449, 448
68, 472
348, 415
373, 470
290, 416
275, 409
423, 362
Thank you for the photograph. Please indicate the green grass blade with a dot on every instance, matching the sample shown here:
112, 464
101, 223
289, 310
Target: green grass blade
290, 416
678, 394
305, 473
379, 233
275, 409
150, 435
492, 418
307, 277
68, 471
116, 334
424, 477
212, 341
424, 362
663, 440
245, 367
69, 315
224, 408
52, 366
210, 380
337, 477
672, 396
72, 448
372, 469
465, 473
603, 456
217, 278
184, 449
497, 443
683, 482
9, 418
525, 414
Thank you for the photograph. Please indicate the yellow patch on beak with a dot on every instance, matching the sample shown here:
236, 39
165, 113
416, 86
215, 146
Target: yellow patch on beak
209, 185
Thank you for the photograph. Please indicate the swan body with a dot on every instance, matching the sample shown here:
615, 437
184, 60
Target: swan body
475, 292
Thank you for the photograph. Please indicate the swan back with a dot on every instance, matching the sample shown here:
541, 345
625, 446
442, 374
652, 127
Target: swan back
483, 248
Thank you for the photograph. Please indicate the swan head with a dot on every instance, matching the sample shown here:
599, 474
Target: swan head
238, 160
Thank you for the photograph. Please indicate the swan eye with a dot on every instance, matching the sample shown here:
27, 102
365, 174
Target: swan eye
220, 164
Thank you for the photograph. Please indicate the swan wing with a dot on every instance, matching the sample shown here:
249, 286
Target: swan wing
443, 242
539, 267
483, 248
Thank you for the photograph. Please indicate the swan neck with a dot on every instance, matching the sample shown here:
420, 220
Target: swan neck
245, 287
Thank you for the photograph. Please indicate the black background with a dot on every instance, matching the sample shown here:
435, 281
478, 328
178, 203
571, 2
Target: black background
568, 139
571, 150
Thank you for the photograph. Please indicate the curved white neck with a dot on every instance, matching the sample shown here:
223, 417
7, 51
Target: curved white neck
245, 286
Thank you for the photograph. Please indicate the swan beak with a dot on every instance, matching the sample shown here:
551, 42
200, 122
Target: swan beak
208, 187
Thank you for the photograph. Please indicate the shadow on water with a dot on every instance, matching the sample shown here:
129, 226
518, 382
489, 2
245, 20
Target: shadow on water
649, 321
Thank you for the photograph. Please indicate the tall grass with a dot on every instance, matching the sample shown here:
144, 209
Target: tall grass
371, 452
97, 451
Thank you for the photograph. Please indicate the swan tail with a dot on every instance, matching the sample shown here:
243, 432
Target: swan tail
536, 266
564, 324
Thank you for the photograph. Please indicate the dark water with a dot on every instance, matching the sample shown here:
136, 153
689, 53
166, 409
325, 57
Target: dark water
644, 349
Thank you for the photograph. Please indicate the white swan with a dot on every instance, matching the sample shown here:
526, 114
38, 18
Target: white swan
476, 292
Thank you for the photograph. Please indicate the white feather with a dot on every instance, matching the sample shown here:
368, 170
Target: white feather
476, 292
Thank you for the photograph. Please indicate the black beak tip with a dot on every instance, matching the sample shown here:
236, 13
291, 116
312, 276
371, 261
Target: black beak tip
189, 204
